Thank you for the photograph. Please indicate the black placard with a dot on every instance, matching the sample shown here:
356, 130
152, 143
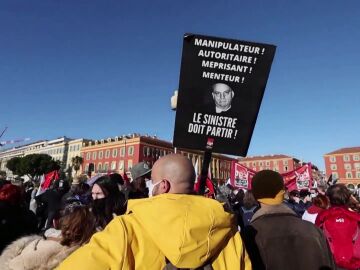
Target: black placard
222, 83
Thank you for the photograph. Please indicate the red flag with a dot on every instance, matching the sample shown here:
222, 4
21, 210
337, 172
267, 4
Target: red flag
209, 188
126, 179
49, 177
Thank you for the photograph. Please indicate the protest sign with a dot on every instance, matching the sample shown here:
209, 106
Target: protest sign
222, 83
300, 178
241, 176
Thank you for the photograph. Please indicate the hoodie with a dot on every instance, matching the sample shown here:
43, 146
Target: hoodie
186, 230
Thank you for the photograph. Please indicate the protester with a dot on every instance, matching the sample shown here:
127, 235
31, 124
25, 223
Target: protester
341, 227
222, 191
35, 252
107, 201
49, 202
140, 175
354, 204
276, 237
250, 205
79, 190
319, 204
16, 219
171, 229
294, 203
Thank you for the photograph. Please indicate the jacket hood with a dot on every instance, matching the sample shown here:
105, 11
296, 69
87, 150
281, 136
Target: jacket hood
279, 209
188, 229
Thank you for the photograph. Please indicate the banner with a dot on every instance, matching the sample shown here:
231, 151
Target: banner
300, 178
241, 176
222, 83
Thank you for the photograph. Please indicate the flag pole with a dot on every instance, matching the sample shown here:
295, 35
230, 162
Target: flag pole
205, 165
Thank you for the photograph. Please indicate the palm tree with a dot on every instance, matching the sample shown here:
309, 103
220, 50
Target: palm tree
76, 163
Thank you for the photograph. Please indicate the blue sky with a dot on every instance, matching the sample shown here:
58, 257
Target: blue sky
96, 69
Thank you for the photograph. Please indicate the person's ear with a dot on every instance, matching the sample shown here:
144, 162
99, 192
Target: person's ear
232, 94
166, 185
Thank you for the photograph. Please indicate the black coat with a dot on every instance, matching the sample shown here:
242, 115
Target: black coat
277, 239
15, 221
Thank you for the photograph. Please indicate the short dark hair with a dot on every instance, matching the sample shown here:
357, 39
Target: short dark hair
249, 200
339, 195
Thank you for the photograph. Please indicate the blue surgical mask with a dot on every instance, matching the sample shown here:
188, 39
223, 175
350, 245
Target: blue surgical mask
151, 187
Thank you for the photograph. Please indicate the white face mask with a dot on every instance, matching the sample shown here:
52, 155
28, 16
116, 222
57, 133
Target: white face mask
151, 187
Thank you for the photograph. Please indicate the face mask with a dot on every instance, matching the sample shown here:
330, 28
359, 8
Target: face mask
151, 187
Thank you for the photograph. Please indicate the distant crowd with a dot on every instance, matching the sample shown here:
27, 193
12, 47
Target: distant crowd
157, 221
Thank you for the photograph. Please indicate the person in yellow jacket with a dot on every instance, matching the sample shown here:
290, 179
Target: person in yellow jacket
172, 230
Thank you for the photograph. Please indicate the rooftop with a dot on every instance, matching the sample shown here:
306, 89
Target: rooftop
345, 150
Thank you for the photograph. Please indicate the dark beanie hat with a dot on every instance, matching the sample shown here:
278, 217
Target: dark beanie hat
267, 184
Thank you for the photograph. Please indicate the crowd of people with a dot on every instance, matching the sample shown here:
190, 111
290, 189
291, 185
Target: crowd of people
157, 221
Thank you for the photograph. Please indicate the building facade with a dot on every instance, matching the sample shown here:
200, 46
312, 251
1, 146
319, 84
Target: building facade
119, 154
74, 149
278, 163
344, 164
62, 149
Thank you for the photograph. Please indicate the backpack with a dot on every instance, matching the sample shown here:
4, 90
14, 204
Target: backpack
247, 215
342, 232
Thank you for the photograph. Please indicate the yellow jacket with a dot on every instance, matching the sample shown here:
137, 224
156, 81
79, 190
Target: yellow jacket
188, 230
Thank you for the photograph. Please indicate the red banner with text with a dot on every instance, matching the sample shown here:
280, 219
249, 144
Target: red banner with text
300, 178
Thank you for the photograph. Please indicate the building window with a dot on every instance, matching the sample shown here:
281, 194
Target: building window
333, 167
94, 154
130, 163
113, 165
286, 162
88, 156
107, 153
275, 163
348, 175
131, 150
260, 163
346, 158
101, 154
87, 168
99, 168
347, 166
357, 166
357, 174
356, 157
285, 168
267, 163
114, 153
332, 159
254, 163
145, 151
106, 167
121, 165
122, 151
335, 175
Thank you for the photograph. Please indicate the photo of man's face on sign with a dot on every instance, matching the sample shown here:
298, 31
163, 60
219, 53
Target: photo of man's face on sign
222, 82
223, 96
